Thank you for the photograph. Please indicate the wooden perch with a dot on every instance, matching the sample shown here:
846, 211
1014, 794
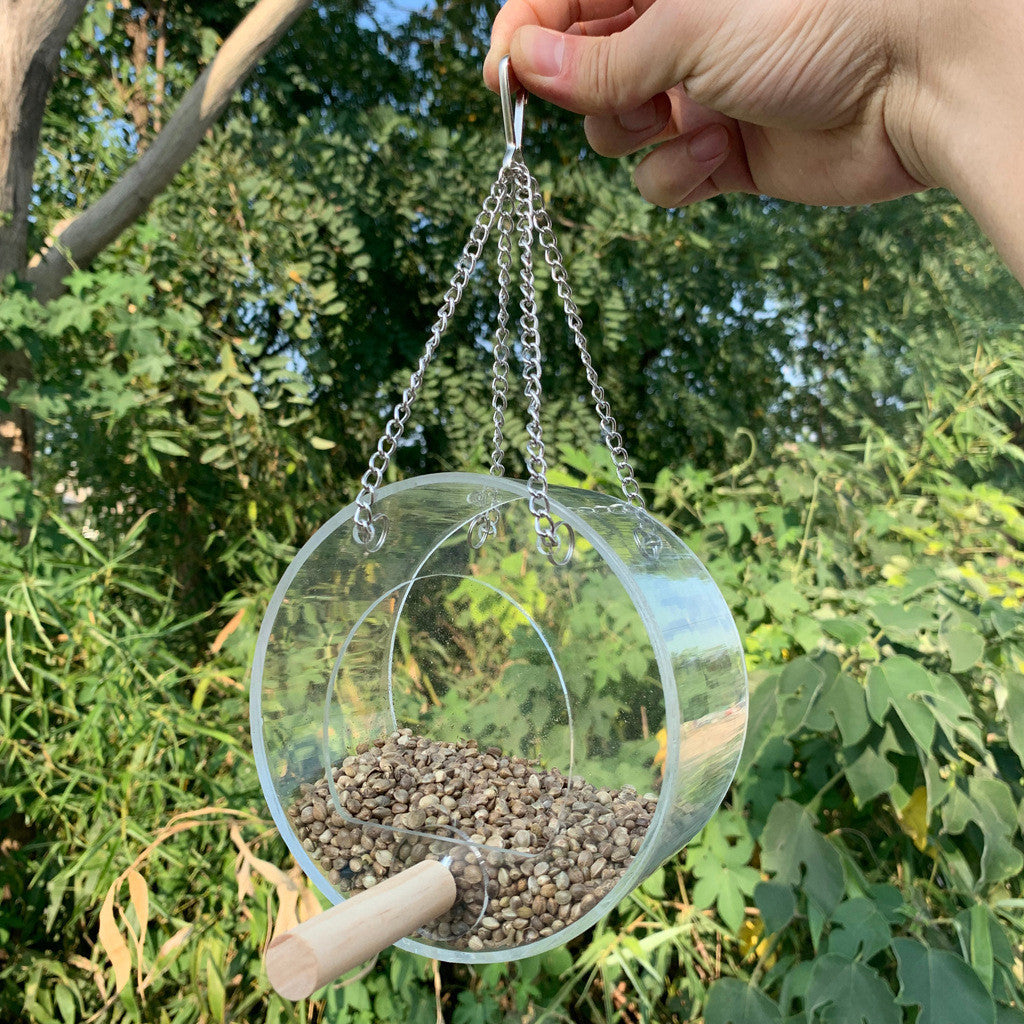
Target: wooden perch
117, 209
323, 948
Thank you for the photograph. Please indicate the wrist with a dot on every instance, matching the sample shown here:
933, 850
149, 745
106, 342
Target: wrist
956, 115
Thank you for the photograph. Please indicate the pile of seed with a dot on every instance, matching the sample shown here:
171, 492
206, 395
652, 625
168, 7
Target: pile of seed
557, 847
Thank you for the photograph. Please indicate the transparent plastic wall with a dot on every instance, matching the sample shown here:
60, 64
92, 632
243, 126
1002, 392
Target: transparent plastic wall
621, 668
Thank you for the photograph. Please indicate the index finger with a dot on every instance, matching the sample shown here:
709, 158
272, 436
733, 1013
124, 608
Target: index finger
559, 15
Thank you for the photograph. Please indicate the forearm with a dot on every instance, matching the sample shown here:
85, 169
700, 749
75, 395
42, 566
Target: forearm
963, 125
986, 163
994, 194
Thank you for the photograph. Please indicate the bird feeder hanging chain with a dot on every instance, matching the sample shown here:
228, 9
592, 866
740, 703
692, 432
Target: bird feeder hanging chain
515, 204
369, 529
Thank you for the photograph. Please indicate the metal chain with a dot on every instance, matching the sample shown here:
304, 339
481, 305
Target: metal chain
609, 428
369, 529
499, 374
547, 528
515, 203
486, 523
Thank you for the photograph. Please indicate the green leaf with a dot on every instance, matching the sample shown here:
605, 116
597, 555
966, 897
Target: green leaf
793, 484
164, 445
903, 623
895, 684
1013, 713
795, 981
982, 959
654, 884
1004, 621
14, 489
215, 992
953, 713
213, 453
720, 861
996, 945
214, 381
943, 985
848, 992
806, 632
964, 646
777, 904
473, 1009
840, 701
731, 1001
888, 901
699, 240
557, 961
846, 631
859, 930
845, 700
735, 517
989, 804
800, 684
797, 854
65, 1000
785, 600
245, 402
997, 818
870, 775
762, 711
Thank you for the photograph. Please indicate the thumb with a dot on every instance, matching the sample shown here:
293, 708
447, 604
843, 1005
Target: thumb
613, 73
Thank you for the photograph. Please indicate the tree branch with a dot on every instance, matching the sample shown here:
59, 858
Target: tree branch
31, 37
118, 208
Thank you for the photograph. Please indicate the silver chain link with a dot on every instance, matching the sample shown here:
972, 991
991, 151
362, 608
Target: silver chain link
547, 528
609, 428
368, 529
515, 203
499, 373
486, 524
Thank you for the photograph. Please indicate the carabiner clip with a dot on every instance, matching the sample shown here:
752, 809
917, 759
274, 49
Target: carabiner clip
511, 112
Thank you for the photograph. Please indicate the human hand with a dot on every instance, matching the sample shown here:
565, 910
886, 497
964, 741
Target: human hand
781, 99
820, 101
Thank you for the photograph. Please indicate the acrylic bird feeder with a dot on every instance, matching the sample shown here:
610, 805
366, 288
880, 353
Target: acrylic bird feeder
484, 710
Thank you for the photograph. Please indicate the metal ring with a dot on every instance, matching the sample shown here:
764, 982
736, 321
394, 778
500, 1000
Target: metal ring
372, 537
570, 544
479, 530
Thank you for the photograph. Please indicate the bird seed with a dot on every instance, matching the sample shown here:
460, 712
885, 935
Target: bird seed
530, 850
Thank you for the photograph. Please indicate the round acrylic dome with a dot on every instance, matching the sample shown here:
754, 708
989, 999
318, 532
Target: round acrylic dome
552, 732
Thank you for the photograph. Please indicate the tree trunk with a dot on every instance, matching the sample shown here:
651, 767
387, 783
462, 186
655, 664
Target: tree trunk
88, 234
32, 33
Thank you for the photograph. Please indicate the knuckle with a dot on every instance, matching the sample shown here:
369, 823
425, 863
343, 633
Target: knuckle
604, 77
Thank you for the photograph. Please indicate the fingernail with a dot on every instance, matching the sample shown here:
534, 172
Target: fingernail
709, 144
543, 50
642, 118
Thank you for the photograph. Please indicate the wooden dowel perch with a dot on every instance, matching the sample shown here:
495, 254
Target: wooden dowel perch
323, 948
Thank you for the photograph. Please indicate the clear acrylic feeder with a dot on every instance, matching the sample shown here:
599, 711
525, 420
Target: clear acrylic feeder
609, 694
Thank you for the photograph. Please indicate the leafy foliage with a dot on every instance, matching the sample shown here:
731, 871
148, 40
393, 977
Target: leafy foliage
828, 409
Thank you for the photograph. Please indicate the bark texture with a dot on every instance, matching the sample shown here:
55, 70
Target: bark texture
32, 33
100, 224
